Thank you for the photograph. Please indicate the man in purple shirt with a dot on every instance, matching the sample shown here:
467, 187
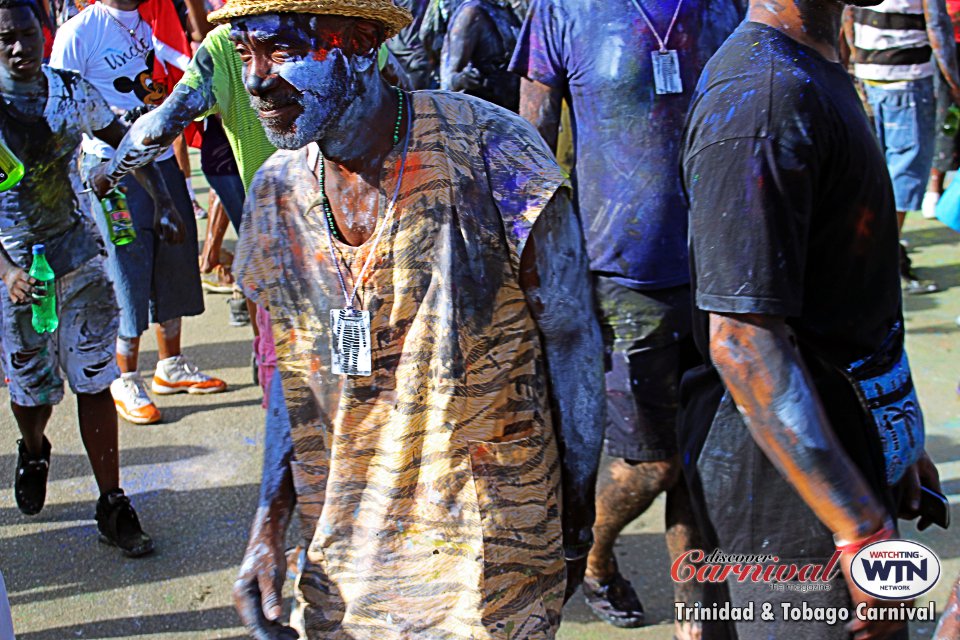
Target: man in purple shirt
627, 122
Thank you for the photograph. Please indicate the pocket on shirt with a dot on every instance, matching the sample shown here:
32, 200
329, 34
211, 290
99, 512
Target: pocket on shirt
518, 500
512, 482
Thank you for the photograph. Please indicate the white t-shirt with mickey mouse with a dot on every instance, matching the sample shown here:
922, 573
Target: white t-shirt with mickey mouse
119, 65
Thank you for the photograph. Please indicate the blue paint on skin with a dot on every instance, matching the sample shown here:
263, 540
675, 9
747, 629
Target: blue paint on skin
313, 79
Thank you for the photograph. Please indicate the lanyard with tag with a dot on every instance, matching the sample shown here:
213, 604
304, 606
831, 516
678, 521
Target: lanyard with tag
351, 351
666, 63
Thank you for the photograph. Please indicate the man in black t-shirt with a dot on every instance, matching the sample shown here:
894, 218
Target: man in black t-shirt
793, 245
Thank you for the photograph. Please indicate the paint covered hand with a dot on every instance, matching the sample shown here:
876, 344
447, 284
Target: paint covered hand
19, 284
167, 223
258, 591
469, 79
922, 474
869, 629
100, 180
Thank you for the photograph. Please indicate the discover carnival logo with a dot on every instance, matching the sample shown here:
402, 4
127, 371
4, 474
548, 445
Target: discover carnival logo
888, 570
895, 569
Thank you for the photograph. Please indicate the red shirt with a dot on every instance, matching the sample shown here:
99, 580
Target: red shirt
953, 8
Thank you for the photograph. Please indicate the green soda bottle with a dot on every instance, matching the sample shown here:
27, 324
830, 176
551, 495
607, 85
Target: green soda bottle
119, 222
952, 124
11, 169
45, 293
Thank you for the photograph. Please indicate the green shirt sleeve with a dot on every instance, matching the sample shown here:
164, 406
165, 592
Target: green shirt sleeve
205, 72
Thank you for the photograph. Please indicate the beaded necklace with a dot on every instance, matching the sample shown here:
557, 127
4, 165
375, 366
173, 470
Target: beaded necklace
322, 177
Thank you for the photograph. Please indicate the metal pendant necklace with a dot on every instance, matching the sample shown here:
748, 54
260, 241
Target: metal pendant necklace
350, 338
133, 33
666, 63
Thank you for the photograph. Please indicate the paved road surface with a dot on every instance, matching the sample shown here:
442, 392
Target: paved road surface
194, 481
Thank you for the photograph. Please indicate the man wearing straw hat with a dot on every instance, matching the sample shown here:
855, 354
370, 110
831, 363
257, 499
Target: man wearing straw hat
439, 354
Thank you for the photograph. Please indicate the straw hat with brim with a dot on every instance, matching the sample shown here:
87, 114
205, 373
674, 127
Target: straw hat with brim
393, 18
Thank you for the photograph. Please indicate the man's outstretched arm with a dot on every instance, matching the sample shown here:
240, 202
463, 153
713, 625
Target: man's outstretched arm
556, 279
153, 132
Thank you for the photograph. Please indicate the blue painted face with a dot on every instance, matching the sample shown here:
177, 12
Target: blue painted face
302, 72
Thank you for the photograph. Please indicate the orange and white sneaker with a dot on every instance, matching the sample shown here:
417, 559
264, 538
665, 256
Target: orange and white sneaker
179, 375
132, 400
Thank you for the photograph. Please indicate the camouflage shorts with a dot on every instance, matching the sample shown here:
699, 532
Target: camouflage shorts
83, 348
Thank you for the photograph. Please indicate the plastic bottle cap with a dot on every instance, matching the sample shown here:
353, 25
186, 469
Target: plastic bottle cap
38, 249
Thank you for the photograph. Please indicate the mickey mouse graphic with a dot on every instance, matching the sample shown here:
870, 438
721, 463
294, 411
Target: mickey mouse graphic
143, 86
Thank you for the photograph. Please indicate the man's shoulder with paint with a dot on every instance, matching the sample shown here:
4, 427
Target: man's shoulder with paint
284, 169
487, 117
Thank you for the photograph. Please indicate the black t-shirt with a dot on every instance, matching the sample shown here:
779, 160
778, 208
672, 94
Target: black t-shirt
791, 214
791, 206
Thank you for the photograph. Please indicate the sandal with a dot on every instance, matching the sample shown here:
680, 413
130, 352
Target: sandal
614, 601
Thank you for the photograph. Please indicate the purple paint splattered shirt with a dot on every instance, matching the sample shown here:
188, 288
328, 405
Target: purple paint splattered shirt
626, 138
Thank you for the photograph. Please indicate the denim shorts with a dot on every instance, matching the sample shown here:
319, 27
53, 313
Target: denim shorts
648, 346
83, 348
154, 281
230, 189
904, 115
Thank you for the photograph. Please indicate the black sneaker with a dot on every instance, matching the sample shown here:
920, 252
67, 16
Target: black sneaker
255, 368
119, 526
614, 601
239, 316
30, 482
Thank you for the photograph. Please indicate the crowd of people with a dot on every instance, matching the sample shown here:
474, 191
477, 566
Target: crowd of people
480, 243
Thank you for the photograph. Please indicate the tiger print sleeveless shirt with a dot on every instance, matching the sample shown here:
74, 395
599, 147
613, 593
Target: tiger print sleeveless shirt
430, 489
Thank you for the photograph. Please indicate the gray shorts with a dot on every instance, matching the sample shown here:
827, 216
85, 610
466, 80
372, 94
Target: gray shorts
648, 346
83, 348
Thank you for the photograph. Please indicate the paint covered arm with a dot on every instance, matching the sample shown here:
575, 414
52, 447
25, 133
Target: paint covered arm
758, 359
258, 591
760, 364
540, 105
555, 277
940, 34
456, 71
153, 132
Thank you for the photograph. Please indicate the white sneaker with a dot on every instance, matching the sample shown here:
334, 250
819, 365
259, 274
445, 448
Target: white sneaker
132, 401
178, 375
929, 206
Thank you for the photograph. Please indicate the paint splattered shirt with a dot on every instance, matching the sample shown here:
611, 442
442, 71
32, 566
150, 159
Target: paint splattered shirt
433, 483
791, 210
44, 207
626, 138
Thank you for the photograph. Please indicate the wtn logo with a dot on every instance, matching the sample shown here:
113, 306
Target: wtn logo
895, 569
903, 570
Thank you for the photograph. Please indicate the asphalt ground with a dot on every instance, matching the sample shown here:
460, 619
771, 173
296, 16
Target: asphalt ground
194, 478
